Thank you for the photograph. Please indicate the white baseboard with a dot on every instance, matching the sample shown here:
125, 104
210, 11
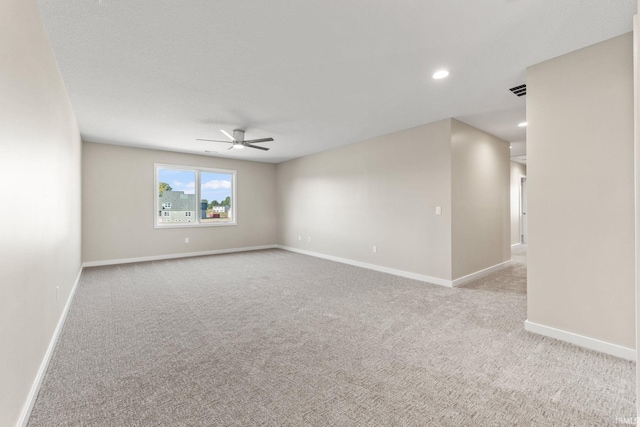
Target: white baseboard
461, 280
37, 382
581, 340
172, 256
407, 274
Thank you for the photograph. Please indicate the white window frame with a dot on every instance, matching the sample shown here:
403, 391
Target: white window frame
198, 212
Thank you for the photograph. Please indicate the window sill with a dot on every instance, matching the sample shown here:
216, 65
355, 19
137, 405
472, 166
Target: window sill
196, 225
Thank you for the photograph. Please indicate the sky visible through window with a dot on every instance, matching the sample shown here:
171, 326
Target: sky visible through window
215, 186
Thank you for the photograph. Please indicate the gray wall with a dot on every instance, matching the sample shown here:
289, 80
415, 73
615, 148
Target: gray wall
480, 200
40, 165
581, 194
518, 171
381, 192
636, 117
385, 191
118, 205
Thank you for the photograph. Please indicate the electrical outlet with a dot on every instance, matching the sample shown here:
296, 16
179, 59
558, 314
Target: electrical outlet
309, 239
375, 249
57, 293
186, 240
438, 210
299, 237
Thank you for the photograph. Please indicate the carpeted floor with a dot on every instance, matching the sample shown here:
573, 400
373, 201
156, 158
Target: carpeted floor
274, 338
512, 278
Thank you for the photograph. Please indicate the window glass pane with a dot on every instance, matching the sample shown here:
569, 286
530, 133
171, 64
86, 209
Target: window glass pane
177, 196
216, 191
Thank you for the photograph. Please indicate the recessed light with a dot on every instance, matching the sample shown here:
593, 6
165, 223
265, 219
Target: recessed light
522, 124
441, 74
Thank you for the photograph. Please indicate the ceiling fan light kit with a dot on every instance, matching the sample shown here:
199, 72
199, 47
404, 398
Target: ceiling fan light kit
238, 142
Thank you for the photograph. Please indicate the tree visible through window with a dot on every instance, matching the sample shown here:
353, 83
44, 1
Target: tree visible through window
194, 196
217, 187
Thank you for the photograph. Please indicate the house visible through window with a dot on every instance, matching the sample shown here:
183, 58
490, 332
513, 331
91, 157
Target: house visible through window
188, 196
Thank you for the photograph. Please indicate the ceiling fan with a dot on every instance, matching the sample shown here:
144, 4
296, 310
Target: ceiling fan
237, 140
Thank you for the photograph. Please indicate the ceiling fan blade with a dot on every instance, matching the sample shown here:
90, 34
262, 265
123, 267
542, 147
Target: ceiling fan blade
253, 141
214, 140
230, 148
256, 146
227, 134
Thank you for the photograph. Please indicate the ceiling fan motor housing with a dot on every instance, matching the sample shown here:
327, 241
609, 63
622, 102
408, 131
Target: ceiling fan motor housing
238, 134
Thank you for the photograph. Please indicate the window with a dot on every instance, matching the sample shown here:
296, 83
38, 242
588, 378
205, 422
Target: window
189, 196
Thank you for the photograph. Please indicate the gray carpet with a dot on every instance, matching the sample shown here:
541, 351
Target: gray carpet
273, 338
512, 278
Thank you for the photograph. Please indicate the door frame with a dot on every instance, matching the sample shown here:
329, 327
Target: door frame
523, 209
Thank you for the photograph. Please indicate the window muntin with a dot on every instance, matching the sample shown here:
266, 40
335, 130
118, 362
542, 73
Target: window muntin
191, 196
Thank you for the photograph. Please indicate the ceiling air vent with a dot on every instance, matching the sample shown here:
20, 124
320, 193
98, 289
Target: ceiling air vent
519, 90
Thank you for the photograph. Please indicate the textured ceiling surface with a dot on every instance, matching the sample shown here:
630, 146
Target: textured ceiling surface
312, 75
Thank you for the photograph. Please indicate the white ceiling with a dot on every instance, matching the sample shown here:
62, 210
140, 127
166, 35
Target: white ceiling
314, 75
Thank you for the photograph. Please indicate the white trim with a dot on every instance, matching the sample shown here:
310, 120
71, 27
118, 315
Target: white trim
522, 217
407, 274
581, 340
37, 382
172, 256
516, 244
459, 281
